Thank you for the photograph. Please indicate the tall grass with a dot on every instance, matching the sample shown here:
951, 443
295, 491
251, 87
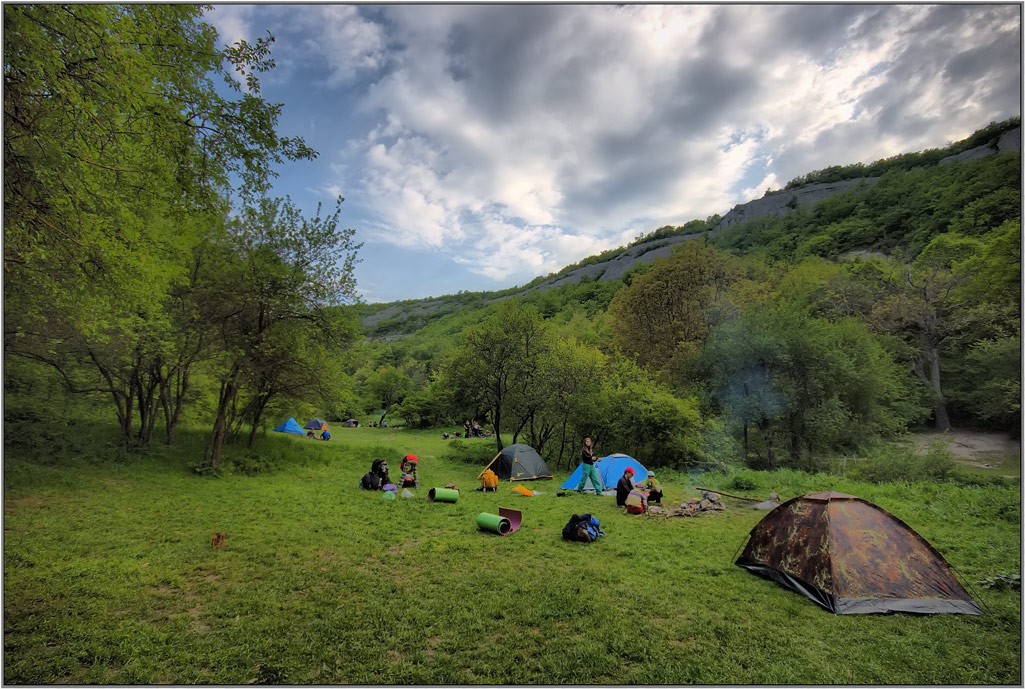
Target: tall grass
110, 578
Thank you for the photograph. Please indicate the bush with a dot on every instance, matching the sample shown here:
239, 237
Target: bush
744, 480
886, 463
471, 452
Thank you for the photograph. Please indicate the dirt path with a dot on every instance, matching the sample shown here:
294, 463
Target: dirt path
982, 450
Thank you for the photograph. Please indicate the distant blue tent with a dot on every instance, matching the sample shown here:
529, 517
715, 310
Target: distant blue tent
290, 426
610, 469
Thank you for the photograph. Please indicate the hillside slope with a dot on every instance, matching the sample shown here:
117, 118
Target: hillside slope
644, 251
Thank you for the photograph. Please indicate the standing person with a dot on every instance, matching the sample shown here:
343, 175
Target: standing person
466, 428
588, 469
625, 485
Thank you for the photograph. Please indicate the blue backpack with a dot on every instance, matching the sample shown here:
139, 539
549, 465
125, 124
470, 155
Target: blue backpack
582, 527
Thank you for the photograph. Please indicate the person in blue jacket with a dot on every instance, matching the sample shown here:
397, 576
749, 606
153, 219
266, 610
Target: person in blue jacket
326, 435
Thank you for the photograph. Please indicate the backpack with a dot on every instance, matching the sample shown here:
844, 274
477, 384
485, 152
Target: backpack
370, 481
582, 527
489, 480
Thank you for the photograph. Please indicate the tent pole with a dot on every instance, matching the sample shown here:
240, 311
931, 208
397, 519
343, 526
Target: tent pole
489, 464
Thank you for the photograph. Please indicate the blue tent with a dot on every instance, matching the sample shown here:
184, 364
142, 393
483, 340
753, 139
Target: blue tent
610, 469
290, 426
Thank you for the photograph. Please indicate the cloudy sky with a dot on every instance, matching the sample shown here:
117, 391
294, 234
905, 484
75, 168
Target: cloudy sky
478, 146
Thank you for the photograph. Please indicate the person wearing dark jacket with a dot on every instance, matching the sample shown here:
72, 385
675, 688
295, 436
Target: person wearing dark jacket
588, 470
624, 486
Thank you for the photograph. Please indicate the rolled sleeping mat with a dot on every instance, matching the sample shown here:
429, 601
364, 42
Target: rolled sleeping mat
515, 518
494, 523
443, 495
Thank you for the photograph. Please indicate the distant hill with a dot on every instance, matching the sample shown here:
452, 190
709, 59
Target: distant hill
389, 320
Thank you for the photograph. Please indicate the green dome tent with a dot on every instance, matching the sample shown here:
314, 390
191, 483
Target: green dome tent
518, 462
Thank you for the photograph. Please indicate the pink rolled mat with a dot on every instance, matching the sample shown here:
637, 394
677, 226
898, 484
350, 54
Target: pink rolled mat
515, 517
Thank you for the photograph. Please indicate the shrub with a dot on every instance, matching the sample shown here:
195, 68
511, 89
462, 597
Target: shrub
887, 462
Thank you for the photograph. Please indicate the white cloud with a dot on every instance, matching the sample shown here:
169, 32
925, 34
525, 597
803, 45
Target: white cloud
534, 135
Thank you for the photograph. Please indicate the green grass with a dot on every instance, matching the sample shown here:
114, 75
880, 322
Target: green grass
110, 578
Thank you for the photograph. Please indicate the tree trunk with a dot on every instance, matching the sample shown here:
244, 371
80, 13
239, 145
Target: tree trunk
497, 424
226, 399
932, 357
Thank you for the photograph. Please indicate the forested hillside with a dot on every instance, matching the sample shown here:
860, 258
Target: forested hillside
150, 281
885, 307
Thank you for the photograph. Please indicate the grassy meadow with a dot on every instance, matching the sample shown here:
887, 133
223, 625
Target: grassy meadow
110, 577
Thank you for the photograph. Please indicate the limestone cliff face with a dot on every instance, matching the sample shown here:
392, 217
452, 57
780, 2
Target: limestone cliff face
773, 203
1008, 141
779, 202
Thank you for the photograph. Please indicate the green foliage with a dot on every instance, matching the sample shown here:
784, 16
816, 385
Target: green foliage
902, 209
887, 463
807, 384
906, 161
1010, 582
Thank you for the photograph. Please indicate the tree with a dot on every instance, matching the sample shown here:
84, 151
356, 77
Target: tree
662, 318
281, 272
917, 302
807, 384
494, 366
387, 386
119, 149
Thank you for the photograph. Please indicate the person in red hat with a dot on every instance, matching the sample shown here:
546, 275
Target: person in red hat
624, 486
408, 467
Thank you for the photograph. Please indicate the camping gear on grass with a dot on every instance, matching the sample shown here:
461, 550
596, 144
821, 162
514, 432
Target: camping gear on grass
582, 527
523, 491
406, 493
377, 477
316, 425
853, 557
290, 426
443, 495
610, 469
488, 481
518, 462
387, 495
507, 521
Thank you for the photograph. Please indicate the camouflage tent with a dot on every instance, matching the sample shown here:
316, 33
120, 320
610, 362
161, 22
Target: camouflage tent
850, 556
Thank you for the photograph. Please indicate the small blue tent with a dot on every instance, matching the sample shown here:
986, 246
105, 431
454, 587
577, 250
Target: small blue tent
610, 469
290, 426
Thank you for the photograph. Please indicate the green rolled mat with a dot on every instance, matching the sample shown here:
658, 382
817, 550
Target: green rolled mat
493, 523
443, 495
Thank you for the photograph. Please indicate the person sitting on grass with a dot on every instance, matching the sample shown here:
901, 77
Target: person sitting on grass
624, 486
636, 501
408, 467
653, 487
326, 435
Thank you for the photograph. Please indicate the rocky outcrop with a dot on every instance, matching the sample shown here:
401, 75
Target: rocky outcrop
1008, 141
780, 202
615, 268
774, 203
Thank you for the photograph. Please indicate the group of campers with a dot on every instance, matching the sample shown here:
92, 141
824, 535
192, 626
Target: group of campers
632, 495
